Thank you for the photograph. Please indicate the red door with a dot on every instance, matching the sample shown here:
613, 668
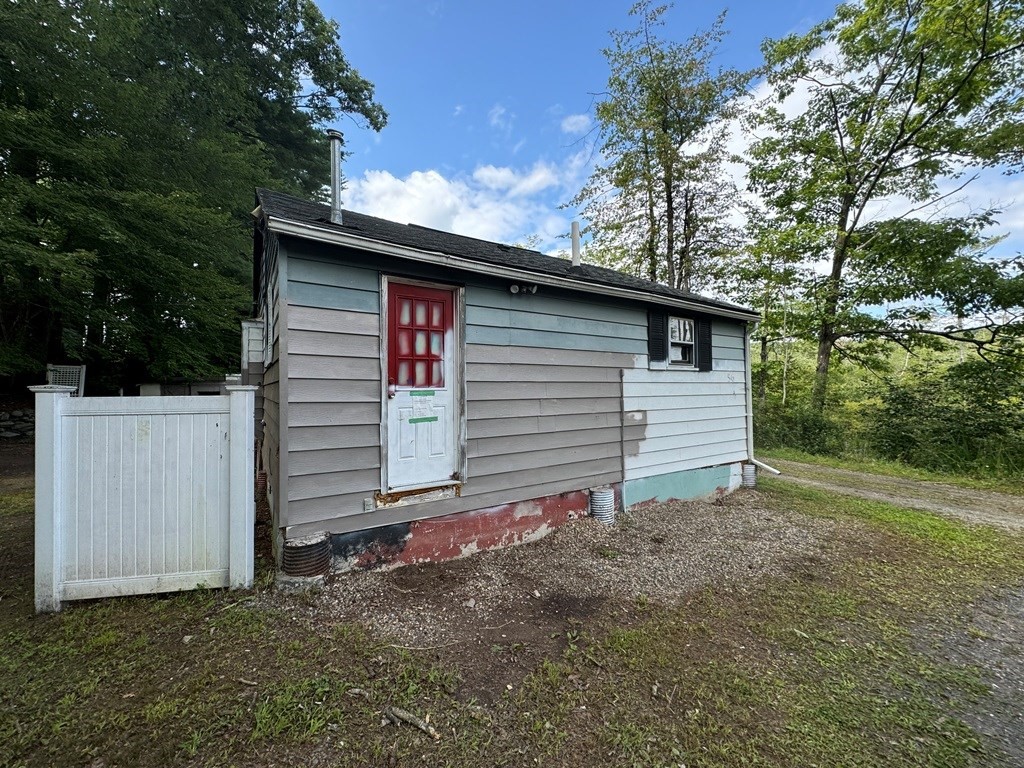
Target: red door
422, 392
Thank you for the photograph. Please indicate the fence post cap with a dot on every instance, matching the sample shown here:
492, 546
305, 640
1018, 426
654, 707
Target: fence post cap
241, 387
52, 389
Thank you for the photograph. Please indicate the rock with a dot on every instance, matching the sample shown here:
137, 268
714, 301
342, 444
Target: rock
8, 433
292, 585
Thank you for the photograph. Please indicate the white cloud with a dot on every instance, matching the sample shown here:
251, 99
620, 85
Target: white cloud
515, 183
575, 124
502, 204
500, 118
458, 110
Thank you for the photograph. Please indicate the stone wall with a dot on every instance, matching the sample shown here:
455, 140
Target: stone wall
19, 423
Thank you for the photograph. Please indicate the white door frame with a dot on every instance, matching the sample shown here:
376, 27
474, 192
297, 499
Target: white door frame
449, 487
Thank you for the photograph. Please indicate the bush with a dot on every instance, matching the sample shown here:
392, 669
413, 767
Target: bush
800, 427
969, 419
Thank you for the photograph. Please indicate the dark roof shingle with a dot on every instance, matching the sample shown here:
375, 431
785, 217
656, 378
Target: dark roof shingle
282, 206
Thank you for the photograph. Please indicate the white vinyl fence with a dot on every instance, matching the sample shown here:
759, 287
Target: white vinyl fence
142, 494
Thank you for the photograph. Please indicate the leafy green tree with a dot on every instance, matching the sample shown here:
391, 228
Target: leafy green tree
131, 138
903, 99
659, 204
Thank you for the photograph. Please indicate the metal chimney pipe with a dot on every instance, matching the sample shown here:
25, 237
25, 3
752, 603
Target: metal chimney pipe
337, 139
575, 243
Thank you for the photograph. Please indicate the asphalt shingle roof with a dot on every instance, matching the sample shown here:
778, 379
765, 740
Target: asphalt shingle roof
282, 206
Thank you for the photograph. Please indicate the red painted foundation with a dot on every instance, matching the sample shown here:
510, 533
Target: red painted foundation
462, 534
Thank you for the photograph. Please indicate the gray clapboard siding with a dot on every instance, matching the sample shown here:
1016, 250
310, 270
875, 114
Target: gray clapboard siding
333, 390
542, 304
503, 409
332, 414
477, 334
531, 461
333, 321
727, 342
332, 344
326, 438
499, 372
694, 457
533, 425
352, 368
509, 444
332, 460
520, 318
526, 390
505, 355
334, 484
319, 284
675, 427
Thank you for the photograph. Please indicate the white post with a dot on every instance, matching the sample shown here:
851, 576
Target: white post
241, 475
49, 568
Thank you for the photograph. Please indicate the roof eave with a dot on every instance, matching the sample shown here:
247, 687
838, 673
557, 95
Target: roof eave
308, 231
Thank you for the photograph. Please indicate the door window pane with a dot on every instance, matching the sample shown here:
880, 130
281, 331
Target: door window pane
421, 314
437, 375
421, 373
436, 344
421, 343
405, 311
404, 343
436, 314
404, 370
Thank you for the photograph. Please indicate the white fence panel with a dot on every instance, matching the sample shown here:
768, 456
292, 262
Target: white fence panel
142, 494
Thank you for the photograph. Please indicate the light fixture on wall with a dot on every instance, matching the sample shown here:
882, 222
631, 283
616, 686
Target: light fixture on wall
522, 288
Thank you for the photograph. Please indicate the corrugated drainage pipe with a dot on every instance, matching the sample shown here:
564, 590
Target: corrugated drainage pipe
602, 504
308, 555
749, 476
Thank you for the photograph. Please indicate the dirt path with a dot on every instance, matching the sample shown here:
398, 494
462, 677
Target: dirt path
972, 506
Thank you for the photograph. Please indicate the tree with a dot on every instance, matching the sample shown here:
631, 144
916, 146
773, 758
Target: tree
903, 101
131, 138
659, 205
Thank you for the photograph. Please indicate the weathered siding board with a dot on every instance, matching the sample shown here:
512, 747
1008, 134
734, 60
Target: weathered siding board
533, 425
505, 355
509, 444
334, 390
308, 514
518, 337
727, 342
322, 437
679, 420
313, 283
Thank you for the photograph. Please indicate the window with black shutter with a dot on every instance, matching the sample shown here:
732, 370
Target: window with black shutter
678, 342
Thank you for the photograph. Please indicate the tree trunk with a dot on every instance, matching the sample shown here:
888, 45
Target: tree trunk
762, 383
830, 309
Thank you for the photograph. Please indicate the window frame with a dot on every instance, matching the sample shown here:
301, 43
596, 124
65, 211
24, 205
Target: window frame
671, 343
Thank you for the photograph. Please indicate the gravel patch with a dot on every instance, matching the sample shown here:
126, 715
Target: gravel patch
659, 553
993, 643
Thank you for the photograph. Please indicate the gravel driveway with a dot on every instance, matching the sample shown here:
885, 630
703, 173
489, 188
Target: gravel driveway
969, 505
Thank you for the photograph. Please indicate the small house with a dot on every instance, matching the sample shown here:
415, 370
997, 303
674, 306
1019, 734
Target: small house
426, 395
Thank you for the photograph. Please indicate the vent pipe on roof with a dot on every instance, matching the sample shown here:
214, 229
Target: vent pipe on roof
336, 138
575, 243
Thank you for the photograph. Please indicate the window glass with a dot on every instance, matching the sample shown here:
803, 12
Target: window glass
680, 341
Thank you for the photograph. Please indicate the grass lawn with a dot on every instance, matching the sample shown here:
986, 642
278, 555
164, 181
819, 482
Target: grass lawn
826, 665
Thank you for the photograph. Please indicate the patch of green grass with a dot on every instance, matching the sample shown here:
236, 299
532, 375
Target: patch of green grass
14, 504
894, 469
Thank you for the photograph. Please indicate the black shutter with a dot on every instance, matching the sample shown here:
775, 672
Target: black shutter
703, 345
657, 334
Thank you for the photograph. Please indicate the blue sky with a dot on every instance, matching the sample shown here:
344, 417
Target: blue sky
491, 104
